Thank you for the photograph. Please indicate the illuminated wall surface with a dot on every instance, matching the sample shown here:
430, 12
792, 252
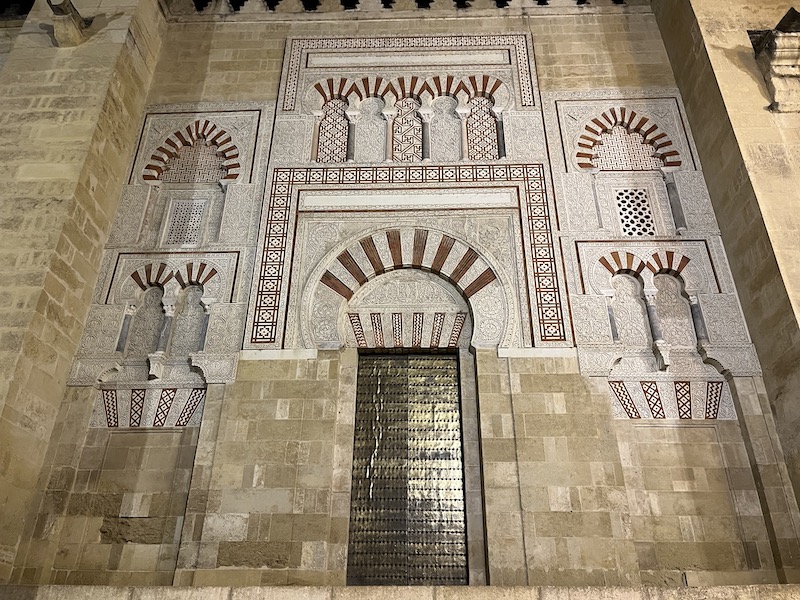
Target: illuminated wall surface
399, 293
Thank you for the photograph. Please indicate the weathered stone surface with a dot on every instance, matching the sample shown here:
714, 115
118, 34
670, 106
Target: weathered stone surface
142, 530
273, 555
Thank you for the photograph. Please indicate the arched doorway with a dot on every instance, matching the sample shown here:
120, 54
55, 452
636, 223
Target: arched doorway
416, 515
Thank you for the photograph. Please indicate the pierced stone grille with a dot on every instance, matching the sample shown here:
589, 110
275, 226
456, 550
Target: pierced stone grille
185, 223
635, 213
407, 524
333, 130
407, 132
482, 131
623, 151
195, 164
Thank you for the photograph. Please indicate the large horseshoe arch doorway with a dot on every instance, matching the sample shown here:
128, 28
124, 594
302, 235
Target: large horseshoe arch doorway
416, 510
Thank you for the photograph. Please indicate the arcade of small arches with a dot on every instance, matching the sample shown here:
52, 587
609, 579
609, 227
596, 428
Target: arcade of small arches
441, 118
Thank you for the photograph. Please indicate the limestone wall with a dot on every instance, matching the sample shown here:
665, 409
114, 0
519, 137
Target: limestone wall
9, 30
269, 500
765, 592
749, 163
71, 120
240, 61
573, 492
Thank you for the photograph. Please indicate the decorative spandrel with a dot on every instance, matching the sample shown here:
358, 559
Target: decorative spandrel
407, 524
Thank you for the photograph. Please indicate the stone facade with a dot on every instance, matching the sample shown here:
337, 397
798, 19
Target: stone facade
230, 202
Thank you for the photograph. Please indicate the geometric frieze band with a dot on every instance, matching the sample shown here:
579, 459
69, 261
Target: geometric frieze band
665, 399
148, 407
540, 252
407, 330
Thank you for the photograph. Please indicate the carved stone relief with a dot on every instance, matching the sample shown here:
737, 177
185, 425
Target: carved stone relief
696, 202
241, 125
525, 139
326, 190
621, 120
330, 285
582, 208
370, 131
189, 327
154, 298
146, 327
309, 60
627, 201
148, 406
673, 312
699, 275
445, 127
407, 131
414, 309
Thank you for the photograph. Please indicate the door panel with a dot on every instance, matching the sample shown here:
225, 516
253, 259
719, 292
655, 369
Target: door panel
407, 523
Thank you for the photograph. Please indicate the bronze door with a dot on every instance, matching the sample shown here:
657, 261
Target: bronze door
407, 522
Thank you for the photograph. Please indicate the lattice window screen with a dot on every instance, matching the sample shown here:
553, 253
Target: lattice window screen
635, 213
407, 127
333, 133
185, 223
482, 131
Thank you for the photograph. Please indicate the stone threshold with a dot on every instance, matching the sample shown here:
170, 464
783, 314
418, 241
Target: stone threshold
76, 592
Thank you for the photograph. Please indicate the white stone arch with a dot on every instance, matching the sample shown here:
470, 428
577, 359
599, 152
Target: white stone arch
494, 308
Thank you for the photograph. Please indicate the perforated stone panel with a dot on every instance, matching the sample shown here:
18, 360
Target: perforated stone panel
635, 213
333, 129
482, 131
407, 138
185, 223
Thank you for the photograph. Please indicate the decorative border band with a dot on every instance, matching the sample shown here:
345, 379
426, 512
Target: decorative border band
542, 254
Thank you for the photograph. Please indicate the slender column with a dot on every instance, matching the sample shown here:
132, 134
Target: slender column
166, 327
675, 205
462, 112
122, 341
698, 320
660, 347
315, 138
612, 319
426, 115
389, 115
204, 325
501, 137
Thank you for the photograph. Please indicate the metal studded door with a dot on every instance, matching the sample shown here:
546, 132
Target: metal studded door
407, 523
